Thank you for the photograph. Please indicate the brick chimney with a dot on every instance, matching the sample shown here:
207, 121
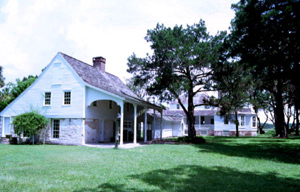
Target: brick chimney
99, 63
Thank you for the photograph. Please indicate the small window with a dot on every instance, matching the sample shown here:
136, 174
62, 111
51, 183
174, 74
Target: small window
212, 121
110, 104
47, 100
94, 104
253, 121
55, 128
202, 120
206, 107
178, 106
242, 120
127, 124
67, 98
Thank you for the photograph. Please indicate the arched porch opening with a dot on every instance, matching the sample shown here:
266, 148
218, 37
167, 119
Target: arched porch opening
100, 121
104, 116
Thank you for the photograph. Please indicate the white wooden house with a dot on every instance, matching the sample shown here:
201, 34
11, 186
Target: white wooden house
83, 102
207, 120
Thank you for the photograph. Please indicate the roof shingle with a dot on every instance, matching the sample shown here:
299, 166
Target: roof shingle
104, 81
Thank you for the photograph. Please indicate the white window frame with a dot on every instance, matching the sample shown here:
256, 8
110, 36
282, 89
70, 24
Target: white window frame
45, 98
3, 125
52, 128
244, 119
255, 121
65, 98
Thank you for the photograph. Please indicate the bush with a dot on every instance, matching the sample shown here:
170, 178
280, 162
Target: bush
195, 140
29, 123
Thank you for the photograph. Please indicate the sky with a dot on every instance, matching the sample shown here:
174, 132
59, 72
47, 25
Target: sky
32, 32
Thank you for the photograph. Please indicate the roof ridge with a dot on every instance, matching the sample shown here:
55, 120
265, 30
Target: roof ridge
76, 59
86, 63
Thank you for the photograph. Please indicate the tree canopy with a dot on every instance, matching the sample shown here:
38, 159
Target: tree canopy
265, 38
232, 81
180, 64
12, 91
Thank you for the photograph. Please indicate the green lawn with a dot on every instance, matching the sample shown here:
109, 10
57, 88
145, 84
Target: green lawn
223, 164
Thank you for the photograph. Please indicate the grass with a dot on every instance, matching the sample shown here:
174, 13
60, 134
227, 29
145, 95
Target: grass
223, 164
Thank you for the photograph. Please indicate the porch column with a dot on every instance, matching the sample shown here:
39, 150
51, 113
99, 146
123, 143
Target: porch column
135, 123
121, 123
83, 131
145, 126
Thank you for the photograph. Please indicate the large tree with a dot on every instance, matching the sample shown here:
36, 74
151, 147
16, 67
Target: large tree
139, 90
265, 36
233, 83
12, 91
180, 64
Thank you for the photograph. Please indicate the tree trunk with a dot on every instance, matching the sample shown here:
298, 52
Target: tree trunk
236, 124
259, 126
281, 129
297, 121
190, 116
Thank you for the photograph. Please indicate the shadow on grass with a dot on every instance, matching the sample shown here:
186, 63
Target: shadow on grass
197, 178
278, 150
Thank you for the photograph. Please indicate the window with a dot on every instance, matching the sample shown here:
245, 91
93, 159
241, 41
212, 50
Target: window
178, 106
212, 121
67, 97
47, 100
55, 128
202, 120
127, 124
253, 121
94, 104
206, 107
242, 121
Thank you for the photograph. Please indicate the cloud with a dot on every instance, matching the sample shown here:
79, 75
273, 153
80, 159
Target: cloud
33, 31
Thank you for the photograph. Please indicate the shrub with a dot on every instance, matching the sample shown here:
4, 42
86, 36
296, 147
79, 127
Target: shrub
195, 140
29, 123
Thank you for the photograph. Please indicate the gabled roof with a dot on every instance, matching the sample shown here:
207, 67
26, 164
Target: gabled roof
104, 81
94, 77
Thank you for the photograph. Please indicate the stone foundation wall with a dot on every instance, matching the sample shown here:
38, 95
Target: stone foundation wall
92, 130
232, 133
205, 132
70, 133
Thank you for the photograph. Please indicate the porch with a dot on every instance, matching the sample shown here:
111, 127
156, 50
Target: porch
129, 118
